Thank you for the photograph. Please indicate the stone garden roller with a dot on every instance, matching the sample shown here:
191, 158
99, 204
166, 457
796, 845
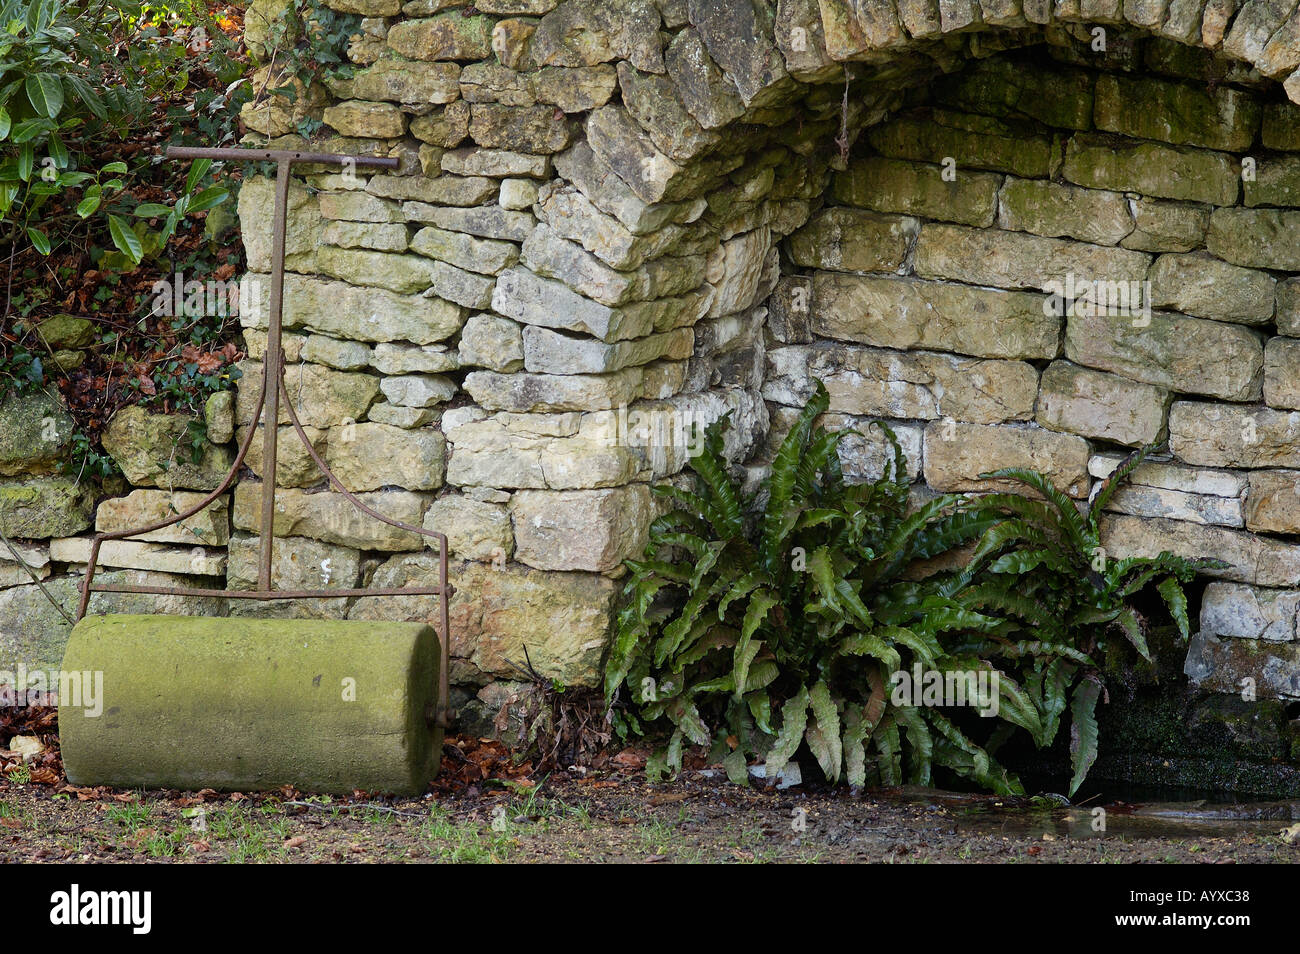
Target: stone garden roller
255, 704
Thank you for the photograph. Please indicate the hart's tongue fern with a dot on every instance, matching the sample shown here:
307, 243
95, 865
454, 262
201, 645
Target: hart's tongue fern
758, 625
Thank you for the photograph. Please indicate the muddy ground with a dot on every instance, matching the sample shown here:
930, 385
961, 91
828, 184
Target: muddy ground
615, 815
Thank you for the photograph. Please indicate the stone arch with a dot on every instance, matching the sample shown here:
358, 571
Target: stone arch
590, 223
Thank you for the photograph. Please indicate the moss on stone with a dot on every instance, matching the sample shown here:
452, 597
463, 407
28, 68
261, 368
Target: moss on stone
243, 704
42, 507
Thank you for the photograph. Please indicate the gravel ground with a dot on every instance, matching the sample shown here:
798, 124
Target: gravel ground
617, 816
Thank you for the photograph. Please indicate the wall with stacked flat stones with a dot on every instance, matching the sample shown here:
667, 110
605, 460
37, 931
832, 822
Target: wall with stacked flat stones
613, 220
922, 293
50, 508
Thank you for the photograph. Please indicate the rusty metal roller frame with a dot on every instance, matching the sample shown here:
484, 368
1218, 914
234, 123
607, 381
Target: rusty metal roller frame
272, 396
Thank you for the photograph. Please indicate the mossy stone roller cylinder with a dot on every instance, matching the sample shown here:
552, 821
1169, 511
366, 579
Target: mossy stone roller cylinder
253, 704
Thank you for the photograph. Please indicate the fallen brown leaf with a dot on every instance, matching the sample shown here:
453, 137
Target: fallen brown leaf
630, 759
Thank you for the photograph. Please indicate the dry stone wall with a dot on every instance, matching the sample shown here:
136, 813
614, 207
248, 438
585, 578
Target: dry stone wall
613, 220
48, 511
1043, 262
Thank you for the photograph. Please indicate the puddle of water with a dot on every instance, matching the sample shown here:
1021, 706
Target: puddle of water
1035, 817
1109, 793
1081, 823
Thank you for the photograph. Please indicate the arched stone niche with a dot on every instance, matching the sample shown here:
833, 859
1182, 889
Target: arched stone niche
615, 219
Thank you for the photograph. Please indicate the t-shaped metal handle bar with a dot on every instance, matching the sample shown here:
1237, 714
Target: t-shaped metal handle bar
284, 159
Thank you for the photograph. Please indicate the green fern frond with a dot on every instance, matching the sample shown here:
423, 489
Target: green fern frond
1128, 622
1171, 590
889, 750
853, 746
724, 512
951, 531
780, 483
1083, 730
1106, 490
684, 714
747, 648
823, 731
869, 644
920, 743
1053, 689
794, 721
836, 592
810, 472
1000, 535
1067, 516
